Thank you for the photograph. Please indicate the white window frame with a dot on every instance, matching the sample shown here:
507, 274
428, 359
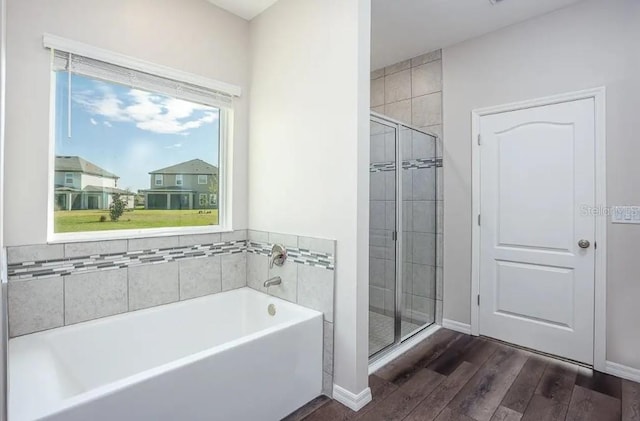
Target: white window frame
206, 178
179, 180
158, 179
225, 223
212, 199
66, 178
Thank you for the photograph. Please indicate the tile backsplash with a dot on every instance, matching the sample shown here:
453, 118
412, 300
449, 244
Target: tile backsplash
101, 257
62, 284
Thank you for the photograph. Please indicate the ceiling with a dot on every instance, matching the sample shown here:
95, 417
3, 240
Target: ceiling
247, 9
401, 29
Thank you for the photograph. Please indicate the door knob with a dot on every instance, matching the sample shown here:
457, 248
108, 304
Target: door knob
584, 244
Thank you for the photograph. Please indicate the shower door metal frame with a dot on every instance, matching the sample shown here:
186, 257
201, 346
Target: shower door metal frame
397, 322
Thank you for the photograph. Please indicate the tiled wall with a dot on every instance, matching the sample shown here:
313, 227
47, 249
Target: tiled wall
307, 279
411, 91
54, 285
61, 284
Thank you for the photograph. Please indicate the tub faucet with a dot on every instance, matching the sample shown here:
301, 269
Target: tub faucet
276, 280
278, 255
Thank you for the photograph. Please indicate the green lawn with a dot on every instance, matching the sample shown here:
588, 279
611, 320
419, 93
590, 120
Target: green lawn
89, 220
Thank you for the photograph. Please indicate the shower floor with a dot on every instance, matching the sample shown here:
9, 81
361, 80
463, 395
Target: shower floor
381, 331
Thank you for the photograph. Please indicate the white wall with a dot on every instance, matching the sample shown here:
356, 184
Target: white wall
94, 180
190, 35
3, 290
594, 43
309, 148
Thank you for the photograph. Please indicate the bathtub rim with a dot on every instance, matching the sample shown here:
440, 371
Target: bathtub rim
120, 384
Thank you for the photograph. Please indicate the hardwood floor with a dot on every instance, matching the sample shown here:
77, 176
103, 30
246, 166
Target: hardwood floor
455, 377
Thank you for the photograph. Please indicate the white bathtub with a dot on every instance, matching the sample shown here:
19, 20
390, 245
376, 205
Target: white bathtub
220, 357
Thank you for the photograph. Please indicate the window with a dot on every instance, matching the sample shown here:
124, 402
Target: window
124, 130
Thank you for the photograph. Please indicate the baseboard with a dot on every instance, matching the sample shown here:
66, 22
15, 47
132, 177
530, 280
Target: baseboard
623, 371
457, 326
350, 400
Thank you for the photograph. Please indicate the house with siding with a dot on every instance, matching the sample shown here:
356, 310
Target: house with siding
80, 184
188, 185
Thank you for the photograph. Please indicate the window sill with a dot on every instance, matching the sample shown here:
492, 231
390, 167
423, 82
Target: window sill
78, 237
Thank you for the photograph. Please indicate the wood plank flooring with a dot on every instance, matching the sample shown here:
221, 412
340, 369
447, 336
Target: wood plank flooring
455, 377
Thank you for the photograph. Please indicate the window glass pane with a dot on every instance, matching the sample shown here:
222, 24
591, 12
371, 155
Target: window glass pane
132, 159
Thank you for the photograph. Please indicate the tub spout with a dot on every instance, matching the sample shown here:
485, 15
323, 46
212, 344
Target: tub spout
276, 280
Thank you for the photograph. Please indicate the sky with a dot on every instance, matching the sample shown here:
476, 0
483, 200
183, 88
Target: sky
130, 132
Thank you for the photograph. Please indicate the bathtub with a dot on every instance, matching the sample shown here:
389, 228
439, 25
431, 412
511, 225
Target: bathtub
219, 357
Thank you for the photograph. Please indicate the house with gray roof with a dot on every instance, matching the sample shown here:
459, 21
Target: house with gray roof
80, 184
188, 185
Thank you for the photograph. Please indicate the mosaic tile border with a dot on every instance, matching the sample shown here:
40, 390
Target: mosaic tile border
94, 263
410, 164
298, 255
41, 269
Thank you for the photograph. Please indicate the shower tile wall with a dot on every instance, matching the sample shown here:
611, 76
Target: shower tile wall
409, 91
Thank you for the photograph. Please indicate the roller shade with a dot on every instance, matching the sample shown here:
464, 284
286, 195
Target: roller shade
97, 69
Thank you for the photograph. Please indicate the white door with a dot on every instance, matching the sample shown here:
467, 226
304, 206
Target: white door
537, 177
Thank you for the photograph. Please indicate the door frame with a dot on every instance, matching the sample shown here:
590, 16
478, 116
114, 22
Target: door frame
600, 281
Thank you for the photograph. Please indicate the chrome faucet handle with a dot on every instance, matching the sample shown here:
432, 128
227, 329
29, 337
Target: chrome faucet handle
278, 255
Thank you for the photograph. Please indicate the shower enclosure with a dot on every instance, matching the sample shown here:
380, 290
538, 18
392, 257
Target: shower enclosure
402, 244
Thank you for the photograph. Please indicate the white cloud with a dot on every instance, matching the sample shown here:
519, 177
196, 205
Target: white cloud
106, 123
102, 101
93, 121
150, 112
144, 106
174, 146
209, 117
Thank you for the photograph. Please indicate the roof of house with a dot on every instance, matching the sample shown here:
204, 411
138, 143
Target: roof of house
77, 164
109, 190
167, 189
195, 166
92, 189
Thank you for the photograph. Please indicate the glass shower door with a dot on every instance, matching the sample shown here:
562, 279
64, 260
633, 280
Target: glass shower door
418, 180
382, 236
402, 245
